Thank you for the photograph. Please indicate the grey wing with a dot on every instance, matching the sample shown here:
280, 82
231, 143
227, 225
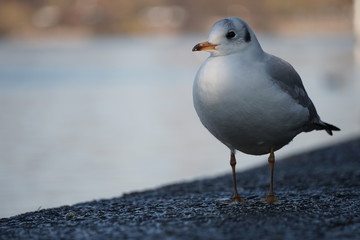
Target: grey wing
285, 76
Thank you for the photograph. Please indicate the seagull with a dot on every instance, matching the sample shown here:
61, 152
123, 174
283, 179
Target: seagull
250, 100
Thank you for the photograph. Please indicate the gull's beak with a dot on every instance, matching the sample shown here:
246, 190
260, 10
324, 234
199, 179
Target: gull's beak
204, 46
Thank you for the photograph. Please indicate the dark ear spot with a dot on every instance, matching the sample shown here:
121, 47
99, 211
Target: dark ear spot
247, 35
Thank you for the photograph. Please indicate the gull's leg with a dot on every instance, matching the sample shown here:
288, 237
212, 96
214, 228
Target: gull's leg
236, 197
271, 196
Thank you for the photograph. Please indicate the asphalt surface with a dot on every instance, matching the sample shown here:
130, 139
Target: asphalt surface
319, 195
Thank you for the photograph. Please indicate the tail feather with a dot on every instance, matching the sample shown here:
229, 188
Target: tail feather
327, 127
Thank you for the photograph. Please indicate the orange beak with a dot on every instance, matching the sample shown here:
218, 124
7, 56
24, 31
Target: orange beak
204, 46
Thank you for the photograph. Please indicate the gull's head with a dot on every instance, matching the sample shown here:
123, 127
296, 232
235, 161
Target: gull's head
229, 36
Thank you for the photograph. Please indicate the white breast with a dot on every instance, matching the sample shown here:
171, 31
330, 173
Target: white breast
242, 107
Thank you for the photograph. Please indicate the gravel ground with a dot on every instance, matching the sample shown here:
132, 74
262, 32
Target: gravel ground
319, 194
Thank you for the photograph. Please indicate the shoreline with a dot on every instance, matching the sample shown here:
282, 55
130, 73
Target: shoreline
318, 192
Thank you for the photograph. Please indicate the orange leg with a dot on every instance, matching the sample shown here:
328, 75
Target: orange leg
236, 197
271, 196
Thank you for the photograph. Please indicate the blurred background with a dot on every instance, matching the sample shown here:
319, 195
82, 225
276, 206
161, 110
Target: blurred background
96, 95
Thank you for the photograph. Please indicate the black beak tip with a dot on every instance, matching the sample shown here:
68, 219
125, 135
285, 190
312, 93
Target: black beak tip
195, 48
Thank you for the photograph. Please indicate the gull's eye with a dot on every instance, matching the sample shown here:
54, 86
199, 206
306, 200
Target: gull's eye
230, 35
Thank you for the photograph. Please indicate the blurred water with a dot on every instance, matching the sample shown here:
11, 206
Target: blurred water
94, 118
